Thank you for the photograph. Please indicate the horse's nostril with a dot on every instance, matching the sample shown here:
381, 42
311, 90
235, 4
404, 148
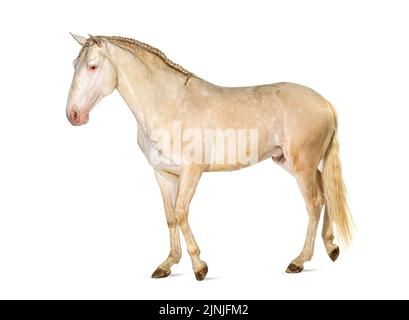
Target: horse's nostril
74, 115
77, 117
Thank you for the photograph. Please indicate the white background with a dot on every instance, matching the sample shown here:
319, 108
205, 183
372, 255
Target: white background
80, 211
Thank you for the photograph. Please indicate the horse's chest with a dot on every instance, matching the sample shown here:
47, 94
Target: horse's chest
156, 155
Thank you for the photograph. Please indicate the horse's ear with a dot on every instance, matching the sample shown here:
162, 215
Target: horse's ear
96, 40
79, 39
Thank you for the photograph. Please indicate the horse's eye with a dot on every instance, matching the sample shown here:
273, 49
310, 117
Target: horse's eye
92, 68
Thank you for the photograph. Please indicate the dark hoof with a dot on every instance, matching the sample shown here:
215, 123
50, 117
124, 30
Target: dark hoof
293, 268
334, 254
160, 273
201, 274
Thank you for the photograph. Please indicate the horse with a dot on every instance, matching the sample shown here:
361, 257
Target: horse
296, 127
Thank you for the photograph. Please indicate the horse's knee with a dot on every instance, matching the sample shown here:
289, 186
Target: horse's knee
172, 223
171, 220
180, 216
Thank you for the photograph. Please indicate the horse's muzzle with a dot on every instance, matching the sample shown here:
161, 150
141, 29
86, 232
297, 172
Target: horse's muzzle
77, 118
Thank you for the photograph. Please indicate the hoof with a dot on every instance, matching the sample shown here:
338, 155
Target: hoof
334, 254
293, 268
160, 273
201, 274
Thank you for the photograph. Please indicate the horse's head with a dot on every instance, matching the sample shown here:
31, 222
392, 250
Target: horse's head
94, 78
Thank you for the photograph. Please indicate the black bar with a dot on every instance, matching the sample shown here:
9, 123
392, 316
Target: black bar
198, 309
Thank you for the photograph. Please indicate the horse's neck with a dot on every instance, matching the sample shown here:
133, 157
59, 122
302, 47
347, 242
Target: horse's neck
150, 91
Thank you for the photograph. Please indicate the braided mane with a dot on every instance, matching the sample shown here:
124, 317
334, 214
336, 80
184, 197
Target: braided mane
130, 43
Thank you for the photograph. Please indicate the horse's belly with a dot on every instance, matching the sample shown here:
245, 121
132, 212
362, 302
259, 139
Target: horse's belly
241, 157
215, 152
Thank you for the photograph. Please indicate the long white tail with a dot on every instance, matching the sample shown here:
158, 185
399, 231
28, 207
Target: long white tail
335, 192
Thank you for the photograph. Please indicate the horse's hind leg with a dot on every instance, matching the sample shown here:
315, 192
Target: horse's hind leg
328, 237
308, 182
327, 229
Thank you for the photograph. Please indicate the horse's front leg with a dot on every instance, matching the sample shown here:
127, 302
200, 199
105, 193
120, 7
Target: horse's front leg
168, 184
188, 180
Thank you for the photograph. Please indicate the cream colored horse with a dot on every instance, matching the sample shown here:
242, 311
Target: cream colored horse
296, 127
